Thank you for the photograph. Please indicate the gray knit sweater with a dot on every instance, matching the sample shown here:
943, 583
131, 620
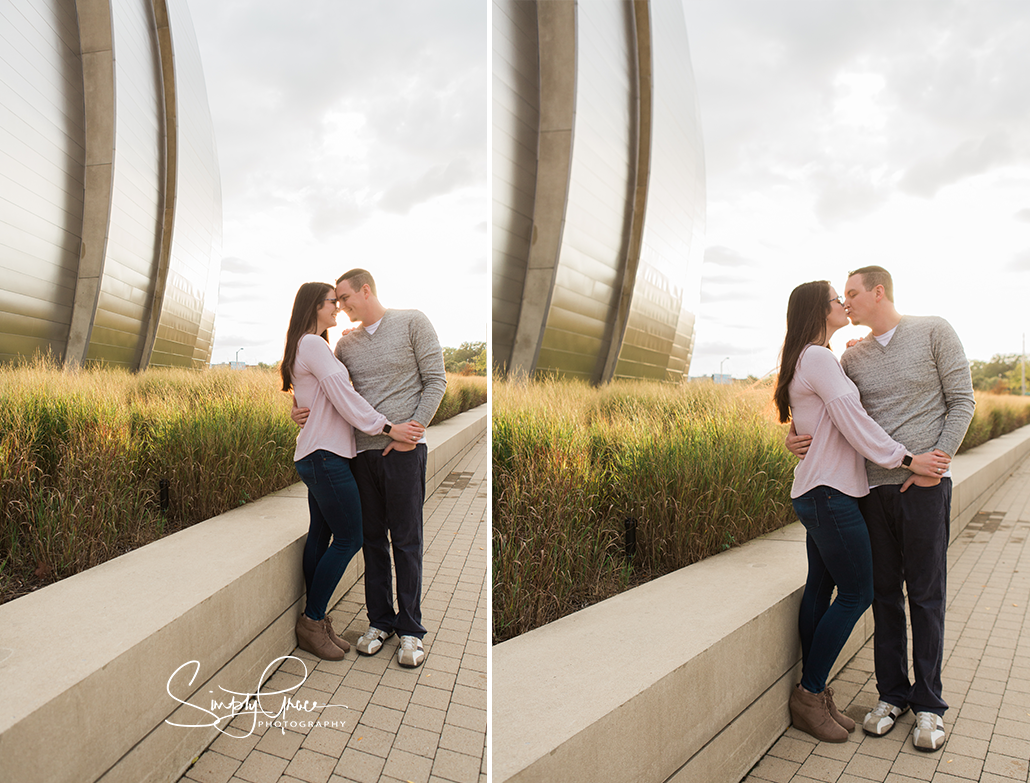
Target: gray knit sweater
399, 370
917, 388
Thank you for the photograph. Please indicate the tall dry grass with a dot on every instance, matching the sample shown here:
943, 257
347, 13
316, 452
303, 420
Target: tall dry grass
995, 414
698, 468
463, 393
83, 456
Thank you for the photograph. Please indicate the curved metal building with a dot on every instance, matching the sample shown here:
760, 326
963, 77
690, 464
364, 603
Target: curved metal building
598, 188
110, 197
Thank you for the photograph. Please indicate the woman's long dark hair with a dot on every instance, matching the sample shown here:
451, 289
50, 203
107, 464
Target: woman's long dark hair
807, 308
303, 321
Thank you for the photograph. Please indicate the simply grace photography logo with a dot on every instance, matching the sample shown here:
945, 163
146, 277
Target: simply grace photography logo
264, 708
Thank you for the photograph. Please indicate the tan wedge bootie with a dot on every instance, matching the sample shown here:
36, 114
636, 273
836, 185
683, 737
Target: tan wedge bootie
339, 641
313, 638
809, 713
837, 715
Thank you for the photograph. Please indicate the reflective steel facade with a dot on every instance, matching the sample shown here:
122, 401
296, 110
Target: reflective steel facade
110, 199
599, 201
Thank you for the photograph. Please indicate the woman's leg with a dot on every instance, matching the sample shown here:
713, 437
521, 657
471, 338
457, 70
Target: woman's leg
838, 532
816, 598
331, 485
316, 543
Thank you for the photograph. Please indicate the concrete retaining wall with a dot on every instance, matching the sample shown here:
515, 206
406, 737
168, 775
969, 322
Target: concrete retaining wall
685, 678
87, 664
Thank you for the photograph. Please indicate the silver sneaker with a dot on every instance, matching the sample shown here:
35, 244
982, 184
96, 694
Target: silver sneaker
928, 733
881, 719
373, 639
410, 654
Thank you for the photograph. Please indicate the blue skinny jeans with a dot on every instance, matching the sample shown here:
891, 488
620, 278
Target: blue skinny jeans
334, 532
839, 555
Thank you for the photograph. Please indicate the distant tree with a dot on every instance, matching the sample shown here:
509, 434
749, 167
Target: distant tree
467, 359
1000, 375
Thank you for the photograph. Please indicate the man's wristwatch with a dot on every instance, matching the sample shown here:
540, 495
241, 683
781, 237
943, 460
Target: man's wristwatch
906, 461
387, 428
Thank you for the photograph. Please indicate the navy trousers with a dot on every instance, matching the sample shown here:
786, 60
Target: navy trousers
909, 534
393, 491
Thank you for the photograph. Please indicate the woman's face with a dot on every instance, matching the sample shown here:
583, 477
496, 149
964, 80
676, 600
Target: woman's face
836, 318
327, 312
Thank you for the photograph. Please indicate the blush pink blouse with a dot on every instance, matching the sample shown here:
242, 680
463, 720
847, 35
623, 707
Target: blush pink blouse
825, 404
322, 383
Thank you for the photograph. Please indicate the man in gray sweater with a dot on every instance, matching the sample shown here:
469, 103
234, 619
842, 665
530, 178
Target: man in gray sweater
396, 364
914, 381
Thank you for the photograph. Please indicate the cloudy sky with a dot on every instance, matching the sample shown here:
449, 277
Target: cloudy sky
840, 134
350, 134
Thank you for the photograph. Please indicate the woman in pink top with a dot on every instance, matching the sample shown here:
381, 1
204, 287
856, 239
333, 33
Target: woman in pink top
325, 447
813, 391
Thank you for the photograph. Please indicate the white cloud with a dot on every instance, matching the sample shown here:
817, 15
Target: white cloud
971, 157
349, 134
1019, 262
843, 134
718, 255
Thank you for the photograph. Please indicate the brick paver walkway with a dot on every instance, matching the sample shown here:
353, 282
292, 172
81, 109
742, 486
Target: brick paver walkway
986, 673
420, 725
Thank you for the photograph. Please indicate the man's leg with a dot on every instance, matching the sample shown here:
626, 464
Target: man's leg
367, 469
927, 523
404, 480
882, 511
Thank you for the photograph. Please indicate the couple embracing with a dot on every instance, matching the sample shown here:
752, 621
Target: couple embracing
876, 433
361, 451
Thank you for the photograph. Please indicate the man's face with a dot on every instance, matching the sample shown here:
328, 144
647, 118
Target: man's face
858, 302
353, 303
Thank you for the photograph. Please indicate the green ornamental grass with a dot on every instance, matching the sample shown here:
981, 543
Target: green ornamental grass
84, 456
596, 490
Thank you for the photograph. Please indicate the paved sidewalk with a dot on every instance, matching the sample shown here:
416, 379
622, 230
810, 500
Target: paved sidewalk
986, 673
421, 725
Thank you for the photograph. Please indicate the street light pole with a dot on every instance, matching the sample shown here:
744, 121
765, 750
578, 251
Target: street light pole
721, 363
238, 357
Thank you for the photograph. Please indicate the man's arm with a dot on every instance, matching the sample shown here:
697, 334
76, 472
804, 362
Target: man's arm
298, 414
429, 358
797, 444
957, 385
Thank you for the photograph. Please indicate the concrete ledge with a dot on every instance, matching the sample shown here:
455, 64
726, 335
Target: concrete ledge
87, 664
685, 678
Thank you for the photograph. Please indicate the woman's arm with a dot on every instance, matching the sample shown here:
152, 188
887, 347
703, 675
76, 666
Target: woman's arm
871, 441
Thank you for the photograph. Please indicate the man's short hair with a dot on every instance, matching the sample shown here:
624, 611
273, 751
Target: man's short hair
358, 278
873, 276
